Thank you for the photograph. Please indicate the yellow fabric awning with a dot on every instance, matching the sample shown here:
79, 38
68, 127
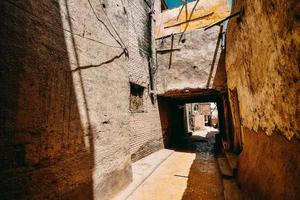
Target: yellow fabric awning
205, 13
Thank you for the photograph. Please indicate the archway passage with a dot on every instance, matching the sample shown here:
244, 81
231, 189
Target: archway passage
192, 169
173, 114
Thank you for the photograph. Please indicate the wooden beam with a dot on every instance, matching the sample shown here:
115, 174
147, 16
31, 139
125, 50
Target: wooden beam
223, 20
214, 58
184, 2
167, 50
186, 26
171, 52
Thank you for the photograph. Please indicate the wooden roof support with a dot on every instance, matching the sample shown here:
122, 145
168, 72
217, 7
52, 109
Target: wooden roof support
214, 58
162, 51
223, 20
183, 5
186, 26
171, 52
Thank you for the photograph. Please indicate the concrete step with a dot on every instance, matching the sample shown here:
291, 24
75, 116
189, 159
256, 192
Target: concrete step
231, 190
225, 168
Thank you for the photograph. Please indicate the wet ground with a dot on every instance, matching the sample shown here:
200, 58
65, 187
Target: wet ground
190, 173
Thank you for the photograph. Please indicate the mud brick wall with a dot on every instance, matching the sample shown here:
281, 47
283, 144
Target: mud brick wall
64, 131
194, 65
145, 128
262, 65
66, 128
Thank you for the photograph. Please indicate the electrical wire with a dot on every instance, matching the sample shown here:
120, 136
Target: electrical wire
121, 43
55, 27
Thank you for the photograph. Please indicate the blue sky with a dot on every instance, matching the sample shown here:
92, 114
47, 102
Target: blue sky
176, 3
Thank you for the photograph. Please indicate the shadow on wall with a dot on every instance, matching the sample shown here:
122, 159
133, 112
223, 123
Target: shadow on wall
45, 152
171, 117
219, 82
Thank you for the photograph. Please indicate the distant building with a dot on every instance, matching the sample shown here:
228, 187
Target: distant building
199, 115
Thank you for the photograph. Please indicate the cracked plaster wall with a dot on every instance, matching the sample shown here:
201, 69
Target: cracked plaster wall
263, 64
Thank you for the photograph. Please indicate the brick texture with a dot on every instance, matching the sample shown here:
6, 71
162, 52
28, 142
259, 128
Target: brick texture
145, 128
66, 130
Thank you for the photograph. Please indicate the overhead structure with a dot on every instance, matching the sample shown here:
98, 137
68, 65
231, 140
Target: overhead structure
191, 16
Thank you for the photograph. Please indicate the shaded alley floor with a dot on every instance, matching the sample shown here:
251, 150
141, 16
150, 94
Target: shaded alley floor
187, 174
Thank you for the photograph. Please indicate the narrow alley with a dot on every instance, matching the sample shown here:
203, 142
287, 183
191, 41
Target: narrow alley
178, 176
150, 100
175, 174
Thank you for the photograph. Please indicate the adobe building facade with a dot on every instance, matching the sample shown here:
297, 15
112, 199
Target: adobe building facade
262, 65
144, 123
67, 70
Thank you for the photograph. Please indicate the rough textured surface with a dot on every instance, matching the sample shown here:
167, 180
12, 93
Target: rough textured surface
66, 129
262, 65
192, 65
269, 168
263, 53
145, 128
54, 119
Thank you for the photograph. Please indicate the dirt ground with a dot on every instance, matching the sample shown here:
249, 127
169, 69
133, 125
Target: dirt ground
188, 174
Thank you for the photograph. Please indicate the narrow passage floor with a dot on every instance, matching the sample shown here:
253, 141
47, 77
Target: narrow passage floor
188, 174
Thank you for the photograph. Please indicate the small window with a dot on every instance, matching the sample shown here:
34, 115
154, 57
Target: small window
136, 98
